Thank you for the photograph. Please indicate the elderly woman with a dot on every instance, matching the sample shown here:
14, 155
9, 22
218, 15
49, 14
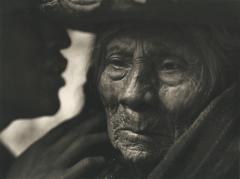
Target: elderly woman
171, 98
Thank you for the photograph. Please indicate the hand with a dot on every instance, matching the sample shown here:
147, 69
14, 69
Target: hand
63, 153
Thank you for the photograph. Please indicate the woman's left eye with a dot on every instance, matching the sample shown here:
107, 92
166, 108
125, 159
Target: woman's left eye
172, 70
171, 65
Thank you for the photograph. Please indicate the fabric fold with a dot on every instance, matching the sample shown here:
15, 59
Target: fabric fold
208, 149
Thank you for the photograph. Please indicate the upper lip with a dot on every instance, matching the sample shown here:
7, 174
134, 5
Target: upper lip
145, 132
81, 5
138, 131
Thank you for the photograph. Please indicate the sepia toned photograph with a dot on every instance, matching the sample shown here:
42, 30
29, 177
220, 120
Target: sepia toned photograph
119, 89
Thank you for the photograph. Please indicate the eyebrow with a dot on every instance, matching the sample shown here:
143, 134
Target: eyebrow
179, 50
126, 47
120, 47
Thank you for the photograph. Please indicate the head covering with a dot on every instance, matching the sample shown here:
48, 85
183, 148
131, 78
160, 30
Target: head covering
88, 15
82, 14
15, 6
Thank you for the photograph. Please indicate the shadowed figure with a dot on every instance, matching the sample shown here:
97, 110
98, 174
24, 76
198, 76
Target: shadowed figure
32, 65
31, 68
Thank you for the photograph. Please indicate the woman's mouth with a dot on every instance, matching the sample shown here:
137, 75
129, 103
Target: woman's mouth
136, 137
81, 5
85, 2
143, 136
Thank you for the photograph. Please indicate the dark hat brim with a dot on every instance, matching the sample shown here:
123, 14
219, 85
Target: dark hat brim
190, 11
15, 6
89, 16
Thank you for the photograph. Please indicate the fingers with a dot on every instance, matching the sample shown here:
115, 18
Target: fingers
81, 148
85, 167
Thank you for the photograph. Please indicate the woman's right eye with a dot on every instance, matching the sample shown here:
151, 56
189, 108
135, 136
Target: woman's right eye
117, 62
116, 67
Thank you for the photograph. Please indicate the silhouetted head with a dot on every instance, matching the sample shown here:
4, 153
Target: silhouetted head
31, 65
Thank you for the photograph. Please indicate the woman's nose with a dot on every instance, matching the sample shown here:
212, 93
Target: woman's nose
55, 36
139, 93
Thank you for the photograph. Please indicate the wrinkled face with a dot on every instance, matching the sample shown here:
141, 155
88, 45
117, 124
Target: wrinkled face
31, 66
149, 81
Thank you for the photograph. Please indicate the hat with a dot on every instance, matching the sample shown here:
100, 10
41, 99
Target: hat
82, 14
87, 14
16, 6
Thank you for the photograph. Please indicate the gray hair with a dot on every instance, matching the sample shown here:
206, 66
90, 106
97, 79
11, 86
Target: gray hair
209, 39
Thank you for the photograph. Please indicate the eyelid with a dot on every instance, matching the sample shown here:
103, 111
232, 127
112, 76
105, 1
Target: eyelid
123, 60
174, 59
112, 55
114, 58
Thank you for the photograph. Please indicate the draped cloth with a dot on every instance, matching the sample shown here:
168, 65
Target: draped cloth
208, 149
6, 160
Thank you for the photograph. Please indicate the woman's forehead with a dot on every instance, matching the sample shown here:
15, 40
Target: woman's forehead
159, 39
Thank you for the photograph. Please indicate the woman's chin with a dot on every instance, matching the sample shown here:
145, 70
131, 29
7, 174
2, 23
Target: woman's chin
137, 156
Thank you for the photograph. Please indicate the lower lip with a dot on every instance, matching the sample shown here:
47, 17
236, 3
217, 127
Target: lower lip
85, 2
134, 137
81, 6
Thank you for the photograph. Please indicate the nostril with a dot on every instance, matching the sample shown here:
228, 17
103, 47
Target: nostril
130, 100
148, 97
136, 102
139, 101
137, 105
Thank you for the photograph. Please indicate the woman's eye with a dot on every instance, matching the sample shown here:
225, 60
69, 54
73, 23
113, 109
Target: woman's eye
117, 62
171, 65
117, 67
172, 70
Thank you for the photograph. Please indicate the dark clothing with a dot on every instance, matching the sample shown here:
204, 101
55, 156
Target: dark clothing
6, 159
208, 149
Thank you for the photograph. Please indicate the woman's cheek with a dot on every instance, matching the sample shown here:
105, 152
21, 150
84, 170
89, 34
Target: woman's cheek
109, 90
174, 98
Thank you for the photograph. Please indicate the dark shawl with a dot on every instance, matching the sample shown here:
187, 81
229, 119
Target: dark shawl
6, 159
208, 149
